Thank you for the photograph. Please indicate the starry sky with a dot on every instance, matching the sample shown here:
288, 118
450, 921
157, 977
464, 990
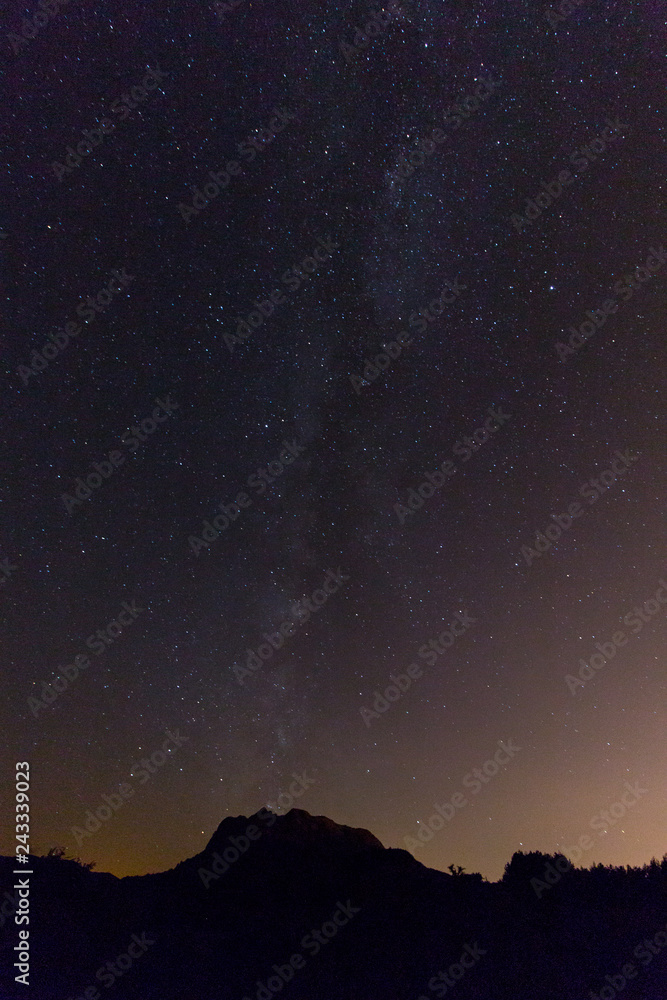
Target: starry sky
175, 273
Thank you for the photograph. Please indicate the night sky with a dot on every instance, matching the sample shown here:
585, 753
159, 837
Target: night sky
353, 230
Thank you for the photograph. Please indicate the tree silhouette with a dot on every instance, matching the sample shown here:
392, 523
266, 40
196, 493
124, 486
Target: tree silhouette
58, 853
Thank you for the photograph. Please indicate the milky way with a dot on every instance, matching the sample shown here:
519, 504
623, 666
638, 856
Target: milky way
345, 156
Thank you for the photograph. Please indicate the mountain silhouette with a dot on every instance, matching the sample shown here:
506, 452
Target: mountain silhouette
300, 906
297, 827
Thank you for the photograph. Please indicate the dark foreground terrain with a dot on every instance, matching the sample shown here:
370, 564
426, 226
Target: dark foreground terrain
300, 907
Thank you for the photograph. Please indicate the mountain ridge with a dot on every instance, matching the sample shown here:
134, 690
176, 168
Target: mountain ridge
322, 910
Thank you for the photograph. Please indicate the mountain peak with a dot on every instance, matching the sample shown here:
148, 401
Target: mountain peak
296, 827
301, 824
